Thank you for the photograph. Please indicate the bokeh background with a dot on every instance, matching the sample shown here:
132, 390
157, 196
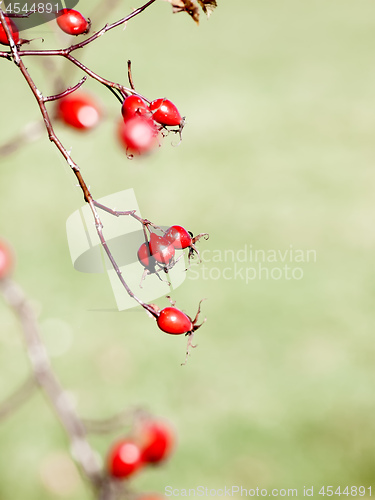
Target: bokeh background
278, 153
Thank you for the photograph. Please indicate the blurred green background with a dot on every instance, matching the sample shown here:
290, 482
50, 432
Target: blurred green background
278, 153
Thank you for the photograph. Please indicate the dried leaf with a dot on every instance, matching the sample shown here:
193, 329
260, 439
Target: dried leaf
208, 6
189, 6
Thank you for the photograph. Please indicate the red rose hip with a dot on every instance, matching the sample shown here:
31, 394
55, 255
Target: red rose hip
172, 320
133, 106
14, 30
72, 22
78, 110
165, 112
144, 255
178, 237
138, 135
124, 459
6, 260
161, 249
158, 440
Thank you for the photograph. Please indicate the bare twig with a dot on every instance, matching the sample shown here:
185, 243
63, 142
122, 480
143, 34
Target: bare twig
130, 76
20, 396
66, 92
29, 133
47, 381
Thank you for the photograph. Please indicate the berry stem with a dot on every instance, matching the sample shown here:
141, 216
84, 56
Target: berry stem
130, 76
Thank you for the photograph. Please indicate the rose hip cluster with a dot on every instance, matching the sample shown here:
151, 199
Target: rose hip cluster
151, 444
140, 131
159, 252
143, 122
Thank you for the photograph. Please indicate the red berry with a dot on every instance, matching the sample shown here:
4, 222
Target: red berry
6, 260
72, 22
133, 106
161, 249
158, 440
124, 459
78, 110
138, 135
13, 29
144, 255
165, 112
172, 320
178, 237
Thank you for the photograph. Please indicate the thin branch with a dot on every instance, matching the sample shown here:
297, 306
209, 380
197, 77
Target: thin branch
116, 213
20, 396
130, 76
47, 381
29, 133
118, 96
64, 53
66, 92
108, 27
20, 16
125, 418
8, 32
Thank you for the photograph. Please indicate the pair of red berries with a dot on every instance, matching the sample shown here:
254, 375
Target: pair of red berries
70, 21
140, 127
162, 248
152, 444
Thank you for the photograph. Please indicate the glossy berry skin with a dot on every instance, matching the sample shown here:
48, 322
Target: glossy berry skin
13, 29
6, 260
178, 237
124, 459
172, 320
138, 135
133, 106
144, 255
78, 110
161, 249
72, 22
165, 112
158, 440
